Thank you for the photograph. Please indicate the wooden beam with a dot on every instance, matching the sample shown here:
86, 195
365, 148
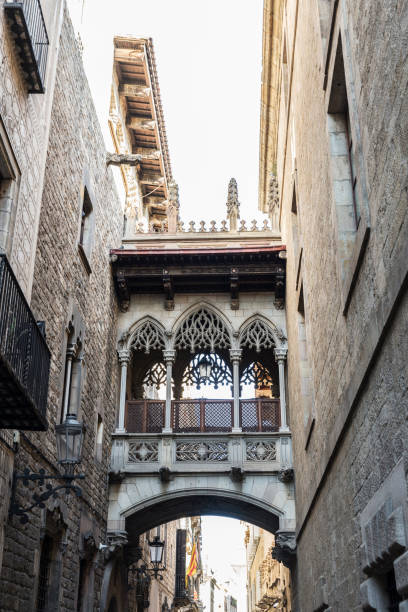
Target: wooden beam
140, 123
129, 55
136, 91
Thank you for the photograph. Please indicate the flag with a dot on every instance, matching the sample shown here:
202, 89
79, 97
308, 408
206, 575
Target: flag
193, 565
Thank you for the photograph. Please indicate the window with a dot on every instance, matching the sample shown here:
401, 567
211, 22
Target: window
305, 375
86, 230
9, 183
343, 164
99, 439
44, 573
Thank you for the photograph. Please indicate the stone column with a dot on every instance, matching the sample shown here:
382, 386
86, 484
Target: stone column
235, 355
70, 354
280, 356
124, 358
168, 360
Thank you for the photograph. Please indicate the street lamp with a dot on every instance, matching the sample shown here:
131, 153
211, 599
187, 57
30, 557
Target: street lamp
69, 439
204, 368
156, 554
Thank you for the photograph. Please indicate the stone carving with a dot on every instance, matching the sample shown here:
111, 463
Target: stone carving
143, 451
261, 451
148, 337
202, 330
116, 541
191, 226
118, 159
220, 373
173, 207
273, 202
233, 205
224, 226
284, 550
258, 336
155, 375
202, 226
286, 475
201, 451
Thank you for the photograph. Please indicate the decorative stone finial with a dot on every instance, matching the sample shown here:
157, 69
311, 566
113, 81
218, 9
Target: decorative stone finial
273, 202
233, 205
173, 207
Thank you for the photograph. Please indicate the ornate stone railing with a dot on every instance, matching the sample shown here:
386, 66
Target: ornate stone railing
208, 452
201, 227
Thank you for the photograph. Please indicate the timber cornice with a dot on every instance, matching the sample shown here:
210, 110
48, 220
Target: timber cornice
252, 268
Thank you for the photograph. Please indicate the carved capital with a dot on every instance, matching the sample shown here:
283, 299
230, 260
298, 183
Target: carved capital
284, 550
235, 354
169, 356
124, 356
280, 354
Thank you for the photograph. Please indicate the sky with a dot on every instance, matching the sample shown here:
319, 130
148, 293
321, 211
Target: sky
208, 57
223, 544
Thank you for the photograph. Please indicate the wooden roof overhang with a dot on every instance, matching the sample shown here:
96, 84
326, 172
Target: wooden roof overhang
217, 270
135, 66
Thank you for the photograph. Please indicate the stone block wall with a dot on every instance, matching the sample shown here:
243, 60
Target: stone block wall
355, 323
63, 287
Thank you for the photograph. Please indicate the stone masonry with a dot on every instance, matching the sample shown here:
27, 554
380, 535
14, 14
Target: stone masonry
347, 374
63, 286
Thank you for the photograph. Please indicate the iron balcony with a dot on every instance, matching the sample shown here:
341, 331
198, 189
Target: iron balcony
24, 359
30, 36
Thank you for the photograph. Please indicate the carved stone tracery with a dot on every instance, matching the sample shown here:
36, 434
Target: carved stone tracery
257, 336
143, 451
148, 337
202, 330
220, 372
155, 375
202, 451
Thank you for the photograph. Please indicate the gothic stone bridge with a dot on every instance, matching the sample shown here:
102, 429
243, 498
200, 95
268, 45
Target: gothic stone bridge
206, 316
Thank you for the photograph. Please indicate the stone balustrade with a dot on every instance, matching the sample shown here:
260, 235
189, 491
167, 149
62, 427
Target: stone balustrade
201, 227
147, 453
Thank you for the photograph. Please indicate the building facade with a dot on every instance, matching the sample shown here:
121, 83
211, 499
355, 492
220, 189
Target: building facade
333, 169
268, 581
59, 210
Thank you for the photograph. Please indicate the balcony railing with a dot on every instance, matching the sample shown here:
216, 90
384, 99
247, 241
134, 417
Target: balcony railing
29, 32
24, 359
203, 415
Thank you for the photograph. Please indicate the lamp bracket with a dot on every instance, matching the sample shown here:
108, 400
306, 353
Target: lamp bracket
39, 498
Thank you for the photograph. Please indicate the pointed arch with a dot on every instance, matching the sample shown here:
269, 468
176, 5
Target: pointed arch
260, 333
147, 335
202, 327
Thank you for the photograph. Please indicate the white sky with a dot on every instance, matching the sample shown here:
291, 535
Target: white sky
208, 57
223, 544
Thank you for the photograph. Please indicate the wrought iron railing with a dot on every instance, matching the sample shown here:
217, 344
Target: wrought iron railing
24, 357
30, 33
203, 415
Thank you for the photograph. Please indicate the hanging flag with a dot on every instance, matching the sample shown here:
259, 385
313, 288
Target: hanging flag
193, 565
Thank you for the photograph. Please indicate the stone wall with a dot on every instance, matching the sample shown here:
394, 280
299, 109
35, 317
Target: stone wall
355, 433
64, 287
26, 120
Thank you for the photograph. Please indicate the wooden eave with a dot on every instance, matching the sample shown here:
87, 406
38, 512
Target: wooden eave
216, 270
138, 86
